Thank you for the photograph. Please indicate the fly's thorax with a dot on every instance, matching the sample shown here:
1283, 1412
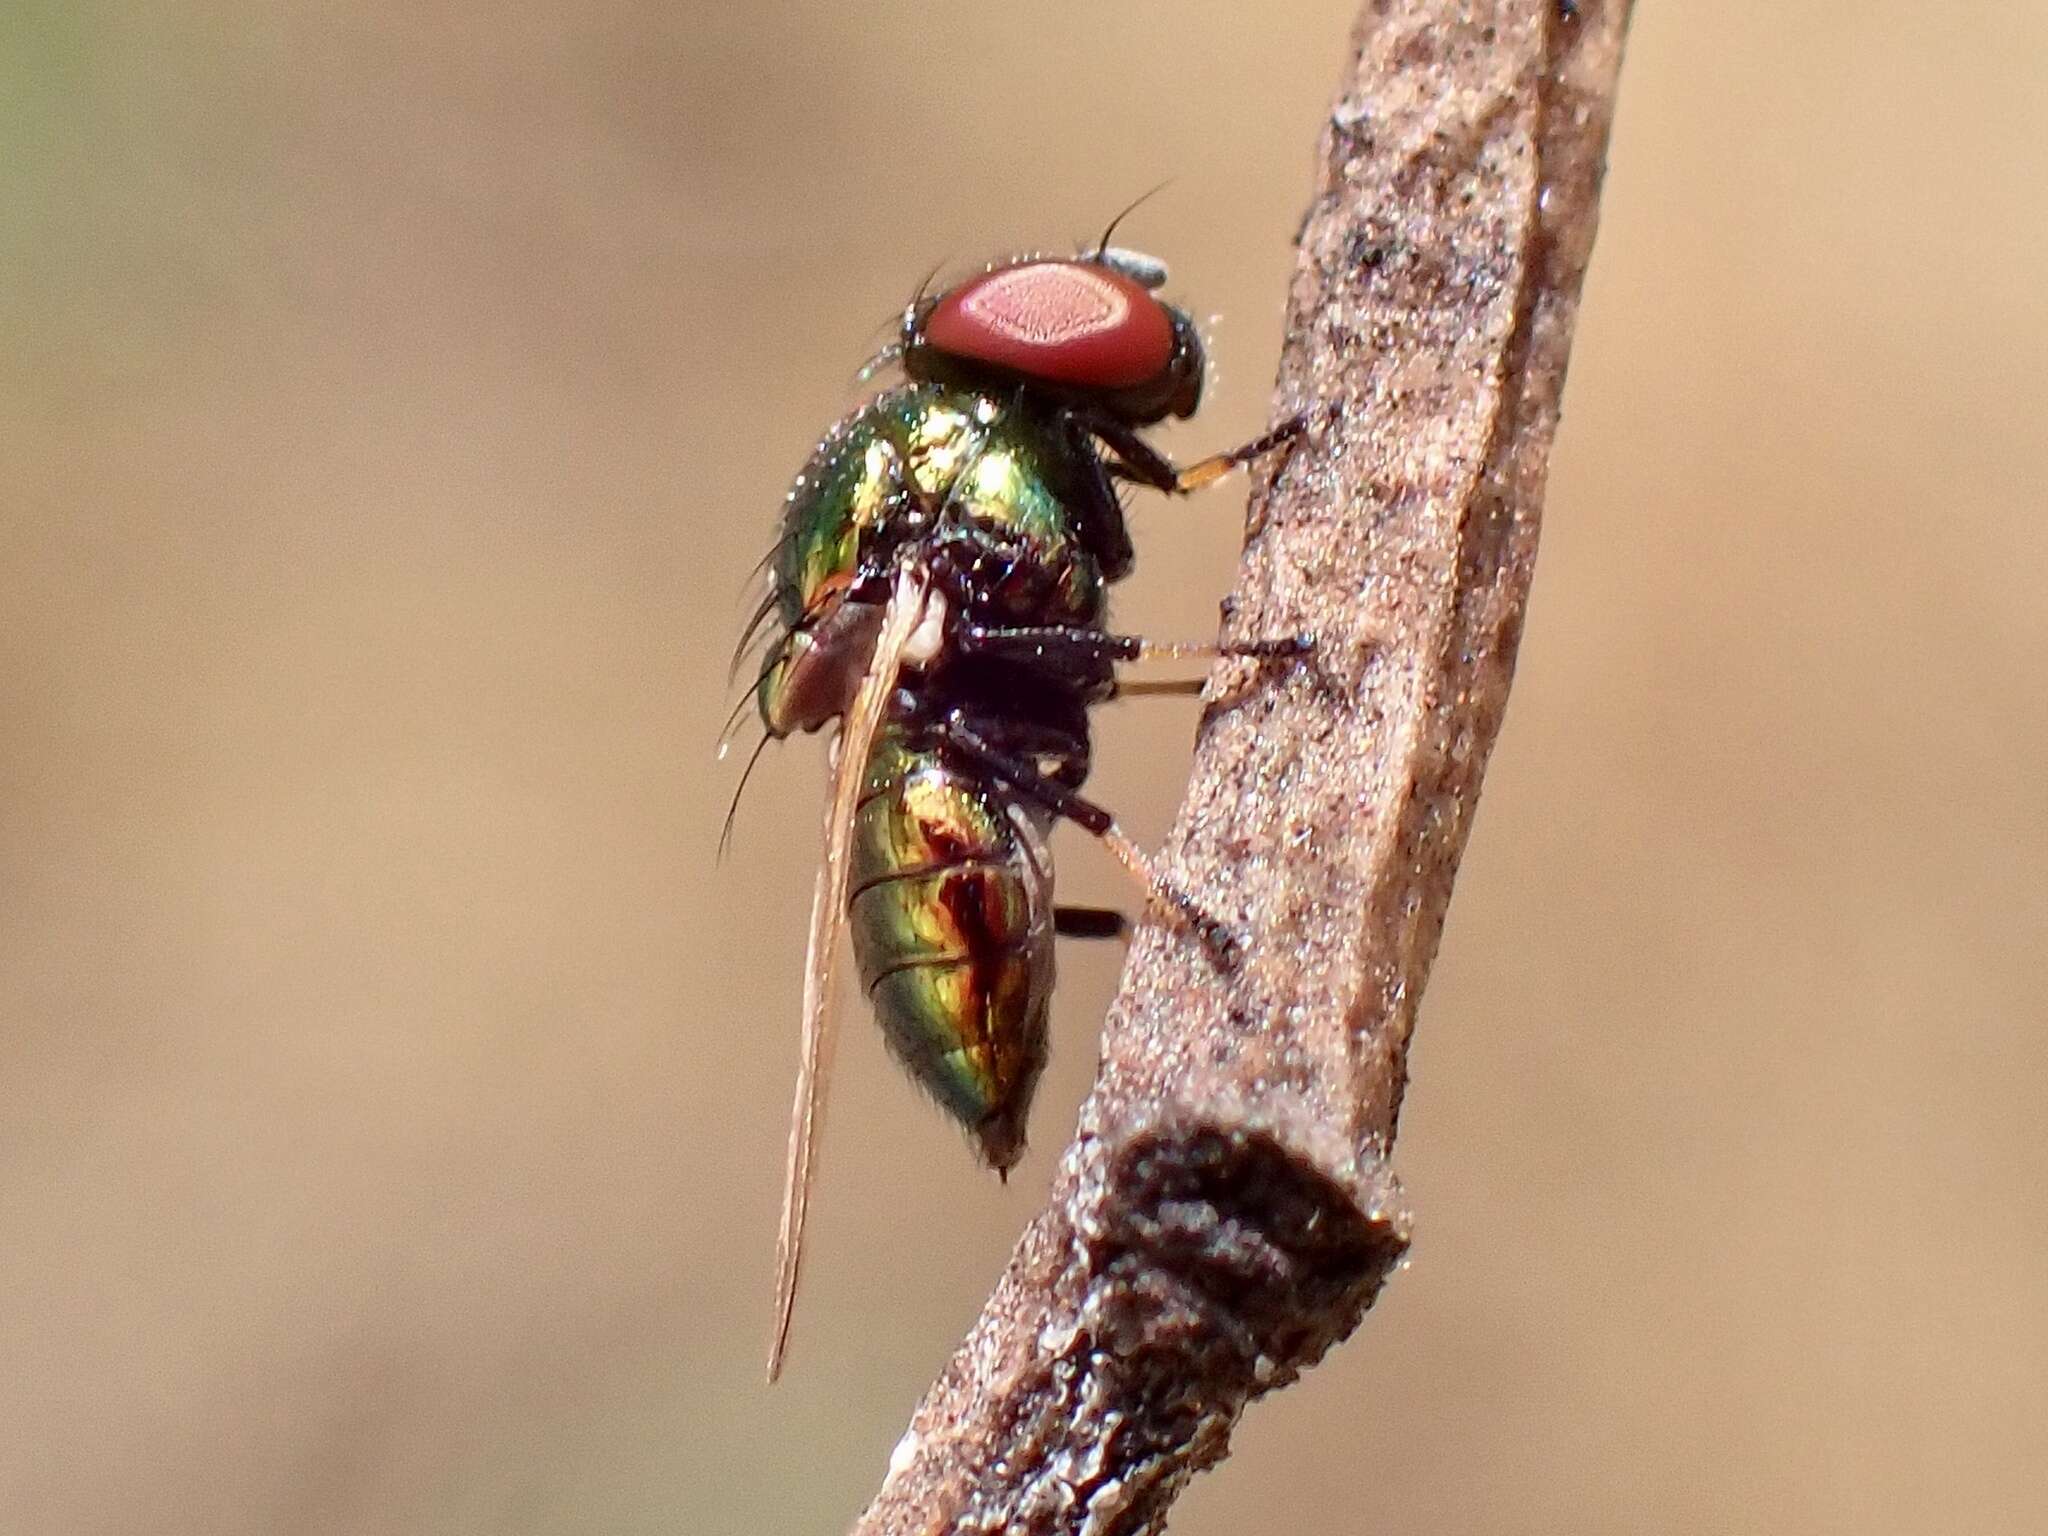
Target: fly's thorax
914, 461
1022, 509
1008, 497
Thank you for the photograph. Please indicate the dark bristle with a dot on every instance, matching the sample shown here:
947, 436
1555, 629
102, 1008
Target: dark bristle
732, 811
1129, 208
751, 633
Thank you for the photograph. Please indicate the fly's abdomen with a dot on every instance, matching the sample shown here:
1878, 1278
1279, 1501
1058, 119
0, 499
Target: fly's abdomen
952, 928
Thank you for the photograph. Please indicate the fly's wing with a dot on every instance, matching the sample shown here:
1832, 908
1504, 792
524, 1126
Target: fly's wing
828, 914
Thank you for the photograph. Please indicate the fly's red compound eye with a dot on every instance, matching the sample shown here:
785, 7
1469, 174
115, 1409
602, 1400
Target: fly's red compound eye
1066, 322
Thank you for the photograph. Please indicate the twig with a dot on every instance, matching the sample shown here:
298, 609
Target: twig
1226, 1212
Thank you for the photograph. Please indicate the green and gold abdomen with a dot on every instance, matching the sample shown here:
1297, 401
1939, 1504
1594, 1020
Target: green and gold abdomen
994, 484
952, 929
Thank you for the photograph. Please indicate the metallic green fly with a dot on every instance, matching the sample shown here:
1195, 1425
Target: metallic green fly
939, 589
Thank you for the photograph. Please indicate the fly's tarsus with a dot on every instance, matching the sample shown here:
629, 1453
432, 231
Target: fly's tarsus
1134, 459
1072, 922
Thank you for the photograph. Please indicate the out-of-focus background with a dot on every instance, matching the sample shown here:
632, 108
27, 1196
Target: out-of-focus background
393, 402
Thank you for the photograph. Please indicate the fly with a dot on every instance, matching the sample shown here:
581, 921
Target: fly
939, 589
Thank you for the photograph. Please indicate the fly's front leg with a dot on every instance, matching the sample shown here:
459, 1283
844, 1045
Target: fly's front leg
1135, 459
1099, 823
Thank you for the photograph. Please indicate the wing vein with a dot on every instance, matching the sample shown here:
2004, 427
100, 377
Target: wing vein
828, 914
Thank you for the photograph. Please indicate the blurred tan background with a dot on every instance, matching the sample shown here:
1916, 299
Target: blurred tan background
393, 401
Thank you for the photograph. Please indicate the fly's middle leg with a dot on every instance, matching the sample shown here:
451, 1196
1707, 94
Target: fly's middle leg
1080, 646
1099, 822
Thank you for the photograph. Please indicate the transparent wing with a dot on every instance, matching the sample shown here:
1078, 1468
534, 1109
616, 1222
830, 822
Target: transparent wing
828, 914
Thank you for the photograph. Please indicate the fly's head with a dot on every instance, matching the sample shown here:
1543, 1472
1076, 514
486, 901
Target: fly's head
1089, 330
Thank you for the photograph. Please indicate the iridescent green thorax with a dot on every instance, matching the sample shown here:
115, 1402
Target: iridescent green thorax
952, 928
1001, 487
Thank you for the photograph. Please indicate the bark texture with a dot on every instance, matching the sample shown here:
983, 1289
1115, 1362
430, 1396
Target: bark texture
1226, 1212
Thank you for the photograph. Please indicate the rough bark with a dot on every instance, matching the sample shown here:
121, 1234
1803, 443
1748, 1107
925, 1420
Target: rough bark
1226, 1212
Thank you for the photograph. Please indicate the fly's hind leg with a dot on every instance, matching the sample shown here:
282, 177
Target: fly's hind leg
1101, 824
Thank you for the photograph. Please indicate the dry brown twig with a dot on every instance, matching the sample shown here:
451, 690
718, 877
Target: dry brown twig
1226, 1212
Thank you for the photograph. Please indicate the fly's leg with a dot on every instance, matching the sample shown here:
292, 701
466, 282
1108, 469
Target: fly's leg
1079, 645
1135, 459
1099, 823
1090, 923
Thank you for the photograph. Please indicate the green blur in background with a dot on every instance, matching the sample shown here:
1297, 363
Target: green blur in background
394, 399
